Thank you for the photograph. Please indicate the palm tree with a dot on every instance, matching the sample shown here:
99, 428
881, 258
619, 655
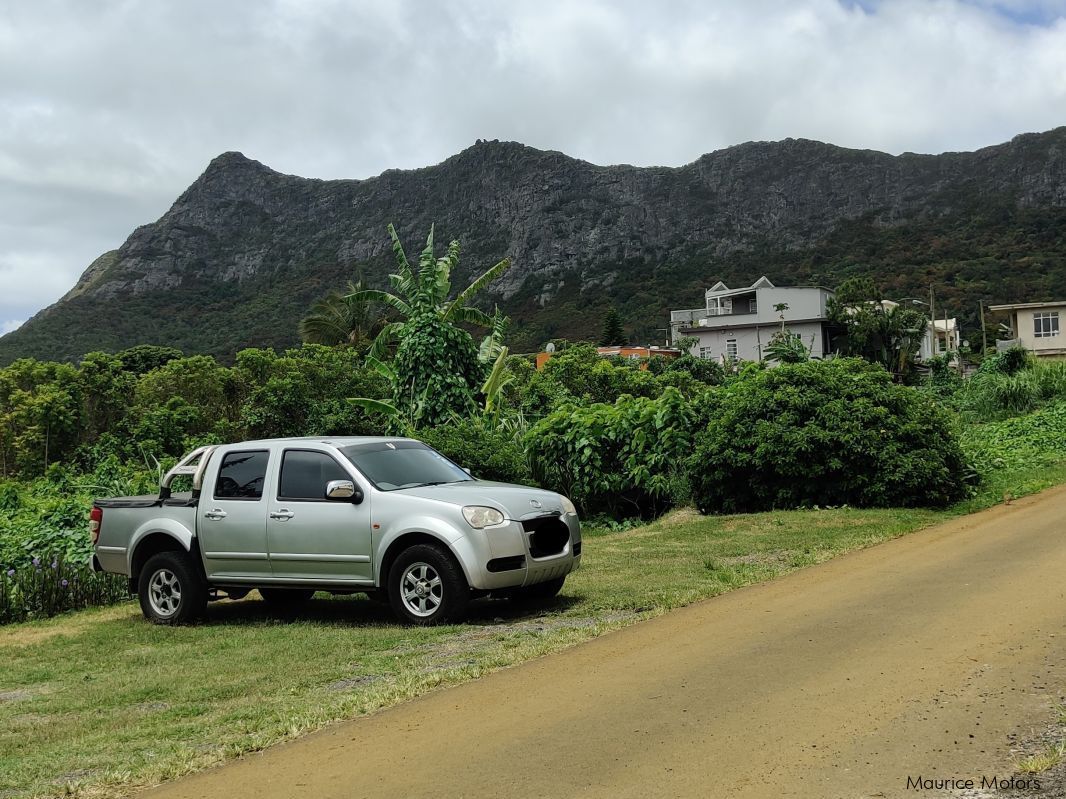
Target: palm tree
425, 291
339, 320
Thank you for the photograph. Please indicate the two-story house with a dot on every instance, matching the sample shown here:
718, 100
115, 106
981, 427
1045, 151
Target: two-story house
1036, 327
737, 324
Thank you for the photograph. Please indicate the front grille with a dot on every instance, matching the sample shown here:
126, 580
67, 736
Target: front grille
548, 535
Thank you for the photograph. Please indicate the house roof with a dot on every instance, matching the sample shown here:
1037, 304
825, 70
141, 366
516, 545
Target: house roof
1023, 305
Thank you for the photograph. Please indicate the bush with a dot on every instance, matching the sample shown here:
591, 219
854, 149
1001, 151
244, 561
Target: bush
1008, 362
41, 589
622, 459
1030, 440
489, 453
825, 433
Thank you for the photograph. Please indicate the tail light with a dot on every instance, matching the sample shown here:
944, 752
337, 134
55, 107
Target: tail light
96, 515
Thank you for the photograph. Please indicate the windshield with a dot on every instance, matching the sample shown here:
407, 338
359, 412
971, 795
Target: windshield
403, 464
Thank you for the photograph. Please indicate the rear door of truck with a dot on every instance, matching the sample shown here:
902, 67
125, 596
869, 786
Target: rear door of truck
232, 513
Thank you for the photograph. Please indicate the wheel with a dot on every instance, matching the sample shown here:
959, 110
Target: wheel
426, 586
171, 589
538, 592
287, 597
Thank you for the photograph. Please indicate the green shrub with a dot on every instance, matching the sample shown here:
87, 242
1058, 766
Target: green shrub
1008, 362
40, 589
489, 453
825, 433
1029, 440
622, 459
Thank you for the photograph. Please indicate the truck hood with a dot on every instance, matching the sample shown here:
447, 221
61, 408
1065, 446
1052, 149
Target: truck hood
515, 501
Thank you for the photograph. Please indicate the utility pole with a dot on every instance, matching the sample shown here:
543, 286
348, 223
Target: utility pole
984, 341
934, 349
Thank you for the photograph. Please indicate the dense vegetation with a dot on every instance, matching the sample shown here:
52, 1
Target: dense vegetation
622, 438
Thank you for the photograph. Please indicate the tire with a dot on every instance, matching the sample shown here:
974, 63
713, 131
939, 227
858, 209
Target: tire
171, 589
538, 592
426, 586
287, 597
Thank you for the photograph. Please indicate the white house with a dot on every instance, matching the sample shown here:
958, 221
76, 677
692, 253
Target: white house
737, 324
1036, 327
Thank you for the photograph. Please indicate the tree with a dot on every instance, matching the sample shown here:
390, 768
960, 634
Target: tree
613, 333
875, 330
786, 347
435, 372
338, 319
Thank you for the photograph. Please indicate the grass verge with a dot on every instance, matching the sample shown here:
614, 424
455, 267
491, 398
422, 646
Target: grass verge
98, 703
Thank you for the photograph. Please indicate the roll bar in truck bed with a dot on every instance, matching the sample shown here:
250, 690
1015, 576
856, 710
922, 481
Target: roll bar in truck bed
195, 464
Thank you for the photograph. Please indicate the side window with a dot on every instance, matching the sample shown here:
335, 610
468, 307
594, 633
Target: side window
241, 475
304, 474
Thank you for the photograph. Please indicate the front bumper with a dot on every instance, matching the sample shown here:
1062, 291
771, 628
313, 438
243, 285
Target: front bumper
506, 559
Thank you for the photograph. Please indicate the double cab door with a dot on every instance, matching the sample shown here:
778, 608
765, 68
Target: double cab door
268, 516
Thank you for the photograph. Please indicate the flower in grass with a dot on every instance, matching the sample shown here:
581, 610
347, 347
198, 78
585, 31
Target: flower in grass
10, 572
37, 562
64, 583
55, 564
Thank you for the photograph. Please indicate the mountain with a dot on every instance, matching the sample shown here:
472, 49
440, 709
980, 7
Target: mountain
244, 250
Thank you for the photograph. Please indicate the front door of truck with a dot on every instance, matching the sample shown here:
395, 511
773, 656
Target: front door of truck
309, 536
231, 523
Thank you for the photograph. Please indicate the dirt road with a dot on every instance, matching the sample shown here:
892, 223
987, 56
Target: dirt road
918, 657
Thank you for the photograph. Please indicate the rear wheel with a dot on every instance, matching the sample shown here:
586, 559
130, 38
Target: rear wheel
287, 597
171, 589
426, 586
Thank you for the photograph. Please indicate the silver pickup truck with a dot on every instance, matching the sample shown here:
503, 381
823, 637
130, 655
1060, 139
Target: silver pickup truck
389, 517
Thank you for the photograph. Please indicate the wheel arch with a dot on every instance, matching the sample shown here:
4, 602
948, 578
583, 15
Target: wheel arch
410, 539
153, 543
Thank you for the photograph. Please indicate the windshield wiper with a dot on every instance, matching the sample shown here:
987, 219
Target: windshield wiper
433, 483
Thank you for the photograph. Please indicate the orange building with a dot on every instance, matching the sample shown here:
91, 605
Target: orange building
634, 352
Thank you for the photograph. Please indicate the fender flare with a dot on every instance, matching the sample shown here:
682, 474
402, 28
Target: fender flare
168, 527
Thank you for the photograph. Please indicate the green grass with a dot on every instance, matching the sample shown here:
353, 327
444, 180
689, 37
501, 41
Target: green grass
99, 702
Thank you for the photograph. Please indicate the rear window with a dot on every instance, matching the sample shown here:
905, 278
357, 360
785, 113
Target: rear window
304, 474
242, 475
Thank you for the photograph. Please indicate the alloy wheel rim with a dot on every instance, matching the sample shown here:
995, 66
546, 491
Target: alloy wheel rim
164, 593
421, 589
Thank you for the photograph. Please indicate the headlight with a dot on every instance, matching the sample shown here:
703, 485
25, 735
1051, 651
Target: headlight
479, 517
568, 506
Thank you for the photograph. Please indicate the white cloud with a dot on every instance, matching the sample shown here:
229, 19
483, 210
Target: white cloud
130, 99
9, 325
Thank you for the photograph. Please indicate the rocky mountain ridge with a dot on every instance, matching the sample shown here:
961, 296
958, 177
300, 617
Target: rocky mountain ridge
244, 250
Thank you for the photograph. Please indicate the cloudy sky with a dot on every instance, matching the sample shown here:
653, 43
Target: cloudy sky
109, 108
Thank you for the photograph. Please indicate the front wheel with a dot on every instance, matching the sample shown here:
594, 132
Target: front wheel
426, 586
171, 589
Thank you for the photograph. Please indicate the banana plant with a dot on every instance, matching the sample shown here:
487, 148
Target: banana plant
426, 290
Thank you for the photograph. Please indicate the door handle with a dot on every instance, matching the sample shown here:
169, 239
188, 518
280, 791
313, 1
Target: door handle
283, 515
215, 514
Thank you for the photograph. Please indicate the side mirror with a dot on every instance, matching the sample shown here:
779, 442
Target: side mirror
343, 489
468, 471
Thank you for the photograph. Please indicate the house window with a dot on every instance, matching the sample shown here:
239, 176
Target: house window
731, 349
753, 305
1046, 324
705, 352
